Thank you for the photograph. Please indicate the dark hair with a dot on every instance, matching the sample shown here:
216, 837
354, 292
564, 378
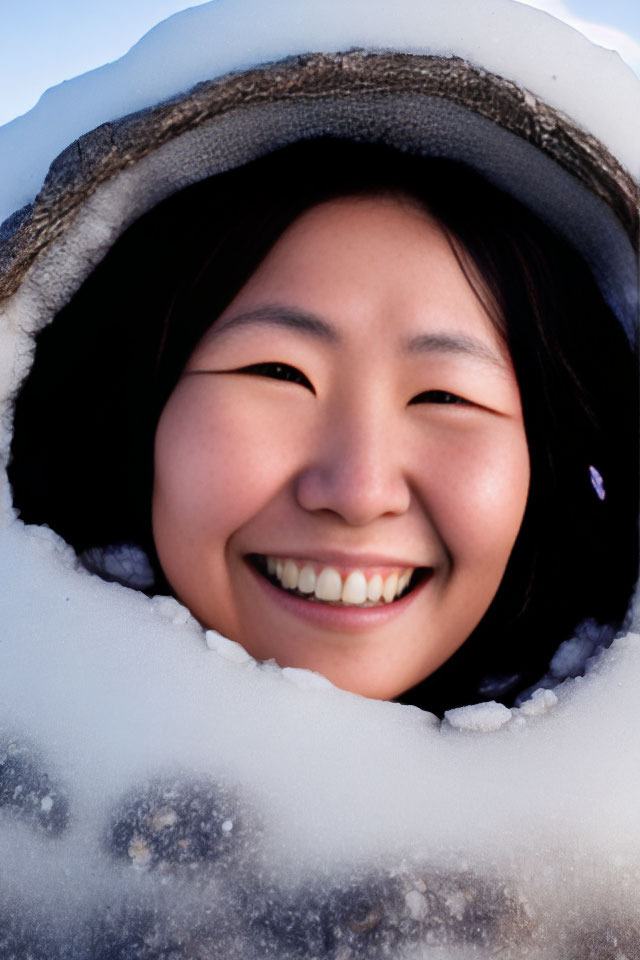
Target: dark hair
82, 454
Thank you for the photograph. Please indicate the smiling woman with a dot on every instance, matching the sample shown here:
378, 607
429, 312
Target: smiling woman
384, 439
363, 424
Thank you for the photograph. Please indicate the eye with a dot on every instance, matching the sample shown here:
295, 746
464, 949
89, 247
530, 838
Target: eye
278, 371
440, 396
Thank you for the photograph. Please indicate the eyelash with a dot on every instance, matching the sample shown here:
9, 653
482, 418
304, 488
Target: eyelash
284, 371
440, 396
279, 371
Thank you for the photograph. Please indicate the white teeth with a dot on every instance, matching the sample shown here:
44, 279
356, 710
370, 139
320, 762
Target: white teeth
355, 588
290, 575
403, 581
390, 588
307, 580
374, 588
328, 586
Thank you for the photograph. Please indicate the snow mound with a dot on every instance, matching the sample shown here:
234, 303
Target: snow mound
479, 717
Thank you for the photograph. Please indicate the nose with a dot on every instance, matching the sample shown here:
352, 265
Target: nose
355, 469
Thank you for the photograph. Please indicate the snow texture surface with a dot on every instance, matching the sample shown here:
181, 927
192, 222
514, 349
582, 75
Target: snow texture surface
164, 795
149, 769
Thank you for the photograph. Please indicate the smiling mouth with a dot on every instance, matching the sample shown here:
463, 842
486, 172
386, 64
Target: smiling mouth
325, 584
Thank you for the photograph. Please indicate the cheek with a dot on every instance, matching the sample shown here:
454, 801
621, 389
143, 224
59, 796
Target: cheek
216, 463
481, 499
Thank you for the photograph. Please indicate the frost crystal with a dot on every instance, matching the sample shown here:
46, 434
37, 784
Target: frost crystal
479, 717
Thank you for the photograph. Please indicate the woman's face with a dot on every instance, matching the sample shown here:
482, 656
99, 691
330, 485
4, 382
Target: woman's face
342, 470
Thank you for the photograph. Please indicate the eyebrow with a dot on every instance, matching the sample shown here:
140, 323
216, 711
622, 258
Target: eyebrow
280, 316
309, 324
454, 343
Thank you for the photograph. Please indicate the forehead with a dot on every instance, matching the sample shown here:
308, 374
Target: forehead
349, 234
364, 266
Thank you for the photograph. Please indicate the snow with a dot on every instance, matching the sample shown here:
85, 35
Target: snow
479, 717
138, 719
123, 562
227, 649
541, 702
210, 40
573, 654
150, 767
305, 679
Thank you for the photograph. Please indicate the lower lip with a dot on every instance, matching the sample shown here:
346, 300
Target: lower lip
339, 618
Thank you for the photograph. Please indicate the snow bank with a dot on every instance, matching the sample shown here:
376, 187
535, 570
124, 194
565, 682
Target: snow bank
122, 717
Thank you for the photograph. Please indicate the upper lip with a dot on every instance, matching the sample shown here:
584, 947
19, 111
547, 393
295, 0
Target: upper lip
337, 558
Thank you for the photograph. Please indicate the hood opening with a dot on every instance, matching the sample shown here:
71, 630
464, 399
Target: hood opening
81, 458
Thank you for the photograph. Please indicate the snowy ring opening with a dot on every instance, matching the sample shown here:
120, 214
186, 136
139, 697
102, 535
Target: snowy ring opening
427, 124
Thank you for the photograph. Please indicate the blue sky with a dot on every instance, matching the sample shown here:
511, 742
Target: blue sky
43, 42
624, 14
